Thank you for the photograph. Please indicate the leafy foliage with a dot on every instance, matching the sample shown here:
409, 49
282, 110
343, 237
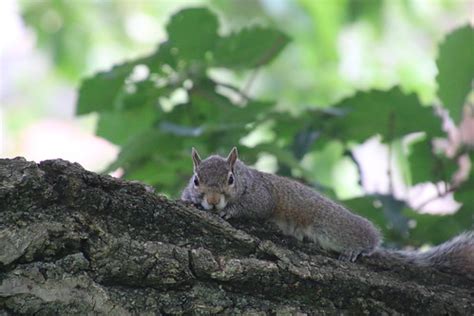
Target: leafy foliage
456, 69
157, 119
159, 106
249, 48
427, 165
192, 47
393, 113
101, 93
465, 195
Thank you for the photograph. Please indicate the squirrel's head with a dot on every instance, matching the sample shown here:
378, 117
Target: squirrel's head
214, 181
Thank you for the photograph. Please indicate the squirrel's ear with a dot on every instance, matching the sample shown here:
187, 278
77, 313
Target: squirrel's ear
232, 158
196, 158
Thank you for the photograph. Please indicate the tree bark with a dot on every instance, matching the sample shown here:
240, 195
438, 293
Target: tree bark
75, 242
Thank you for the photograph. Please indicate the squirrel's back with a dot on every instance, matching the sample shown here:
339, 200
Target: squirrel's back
302, 212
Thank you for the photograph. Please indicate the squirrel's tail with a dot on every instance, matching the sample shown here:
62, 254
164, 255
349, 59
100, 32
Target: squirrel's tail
453, 256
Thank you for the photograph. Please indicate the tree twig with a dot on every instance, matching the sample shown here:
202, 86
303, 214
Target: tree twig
243, 97
246, 88
391, 126
450, 189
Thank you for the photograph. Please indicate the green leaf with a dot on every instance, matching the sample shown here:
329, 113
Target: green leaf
214, 109
153, 172
465, 193
392, 209
144, 93
400, 155
366, 207
162, 56
146, 172
426, 165
249, 48
423, 227
101, 92
144, 146
390, 114
437, 229
321, 163
119, 126
385, 211
192, 32
138, 147
282, 155
456, 70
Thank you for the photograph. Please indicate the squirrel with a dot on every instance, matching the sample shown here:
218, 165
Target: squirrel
233, 189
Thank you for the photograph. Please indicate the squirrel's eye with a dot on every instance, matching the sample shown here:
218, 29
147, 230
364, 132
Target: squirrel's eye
231, 180
196, 181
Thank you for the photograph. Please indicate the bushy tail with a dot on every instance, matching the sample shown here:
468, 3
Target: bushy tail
453, 256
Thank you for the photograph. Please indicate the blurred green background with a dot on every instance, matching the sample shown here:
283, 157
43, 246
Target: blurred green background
369, 101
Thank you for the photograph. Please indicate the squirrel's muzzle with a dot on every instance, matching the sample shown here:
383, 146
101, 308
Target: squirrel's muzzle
214, 200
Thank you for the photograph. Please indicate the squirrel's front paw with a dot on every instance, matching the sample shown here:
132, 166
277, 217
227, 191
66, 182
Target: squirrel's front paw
349, 255
227, 213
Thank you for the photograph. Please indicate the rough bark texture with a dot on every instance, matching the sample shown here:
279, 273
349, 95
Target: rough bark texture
74, 242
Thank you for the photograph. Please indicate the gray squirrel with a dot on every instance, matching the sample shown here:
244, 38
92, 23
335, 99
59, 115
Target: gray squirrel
235, 190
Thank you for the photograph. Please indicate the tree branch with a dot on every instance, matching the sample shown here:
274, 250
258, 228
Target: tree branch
73, 241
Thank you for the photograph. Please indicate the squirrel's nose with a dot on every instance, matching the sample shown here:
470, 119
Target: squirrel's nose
213, 199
